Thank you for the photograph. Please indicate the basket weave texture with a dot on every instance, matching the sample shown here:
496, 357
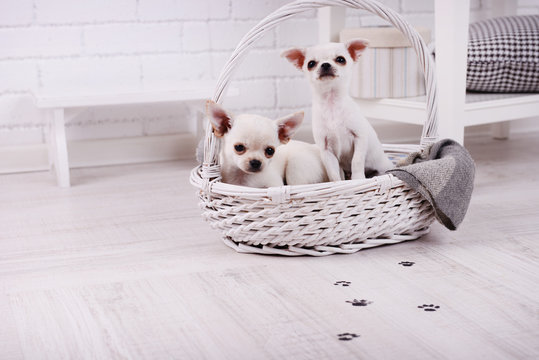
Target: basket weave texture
317, 219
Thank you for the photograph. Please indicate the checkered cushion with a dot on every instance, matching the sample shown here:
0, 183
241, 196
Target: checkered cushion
503, 55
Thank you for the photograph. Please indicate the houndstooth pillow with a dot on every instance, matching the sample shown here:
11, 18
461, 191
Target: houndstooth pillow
503, 55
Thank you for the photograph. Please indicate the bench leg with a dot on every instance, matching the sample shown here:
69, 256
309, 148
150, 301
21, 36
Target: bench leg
500, 130
58, 148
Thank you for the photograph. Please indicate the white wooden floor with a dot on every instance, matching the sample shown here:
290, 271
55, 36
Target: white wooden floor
121, 266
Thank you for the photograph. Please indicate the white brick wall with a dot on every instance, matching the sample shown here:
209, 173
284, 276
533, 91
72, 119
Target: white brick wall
37, 42
225, 35
164, 72
132, 39
196, 37
254, 9
16, 12
162, 10
56, 12
293, 93
78, 46
18, 76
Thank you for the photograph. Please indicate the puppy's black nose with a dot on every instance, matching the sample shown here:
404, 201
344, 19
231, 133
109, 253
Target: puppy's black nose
325, 66
255, 164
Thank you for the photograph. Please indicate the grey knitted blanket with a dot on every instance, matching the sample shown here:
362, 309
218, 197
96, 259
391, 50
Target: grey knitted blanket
444, 174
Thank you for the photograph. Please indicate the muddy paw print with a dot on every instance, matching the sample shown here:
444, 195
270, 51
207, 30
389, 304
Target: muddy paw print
342, 283
357, 302
430, 307
347, 336
406, 263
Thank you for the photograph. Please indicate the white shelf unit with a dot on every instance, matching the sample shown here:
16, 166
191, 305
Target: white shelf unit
456, 108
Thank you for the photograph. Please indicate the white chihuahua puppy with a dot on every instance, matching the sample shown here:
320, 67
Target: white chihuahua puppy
253, 152
349, 145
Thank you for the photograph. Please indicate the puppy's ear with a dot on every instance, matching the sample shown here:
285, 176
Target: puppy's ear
288, 125
295, 56
220, 120
356, 47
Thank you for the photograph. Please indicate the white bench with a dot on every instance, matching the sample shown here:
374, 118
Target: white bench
56, 107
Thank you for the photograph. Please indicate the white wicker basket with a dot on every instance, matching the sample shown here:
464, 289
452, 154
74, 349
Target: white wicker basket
318, 219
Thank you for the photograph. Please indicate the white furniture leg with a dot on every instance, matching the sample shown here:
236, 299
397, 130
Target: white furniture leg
59, 148
49, 138
501, 130
451, 26
330, 22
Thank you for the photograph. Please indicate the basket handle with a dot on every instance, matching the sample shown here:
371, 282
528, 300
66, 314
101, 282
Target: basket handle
429, 134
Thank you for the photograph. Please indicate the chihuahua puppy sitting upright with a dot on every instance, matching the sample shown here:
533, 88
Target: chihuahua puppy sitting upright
349, 145
257, 151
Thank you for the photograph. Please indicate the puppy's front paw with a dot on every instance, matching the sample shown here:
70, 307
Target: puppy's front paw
358, 175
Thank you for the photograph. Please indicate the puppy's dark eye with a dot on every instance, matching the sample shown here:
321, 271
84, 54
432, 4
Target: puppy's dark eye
340, 60
269, 151
311, 64
240, 149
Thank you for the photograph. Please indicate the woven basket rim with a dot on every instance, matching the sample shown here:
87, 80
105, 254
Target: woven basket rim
295, 192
